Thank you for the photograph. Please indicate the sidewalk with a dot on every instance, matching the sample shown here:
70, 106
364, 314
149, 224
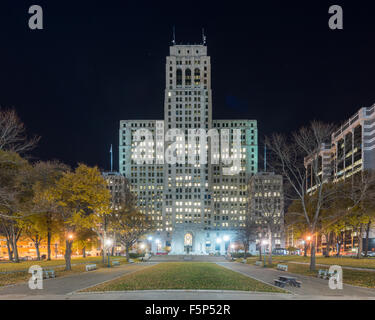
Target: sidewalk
310, 286
328, 265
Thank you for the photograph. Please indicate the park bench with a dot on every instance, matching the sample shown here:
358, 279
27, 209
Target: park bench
280, 283
48, 274
282, 267
90, 267
283, 280
258, 263
325, 274
115, 263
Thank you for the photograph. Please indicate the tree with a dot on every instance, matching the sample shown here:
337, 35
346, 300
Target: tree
85, 239
13, 133
268, 207
83, 199
248, 232
289, 155
35, 229
45, 176
129, 224
15, 194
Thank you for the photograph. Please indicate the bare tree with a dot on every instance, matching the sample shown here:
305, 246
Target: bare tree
288, 158
248, 232
129, 224
13, 133
268, 207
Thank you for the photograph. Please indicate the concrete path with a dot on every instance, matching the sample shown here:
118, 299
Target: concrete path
328, 265
67, 284
311, 287
188, 258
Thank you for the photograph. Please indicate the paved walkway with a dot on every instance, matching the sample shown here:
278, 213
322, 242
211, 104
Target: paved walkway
67, 284
182, 258
311, 287
328, 265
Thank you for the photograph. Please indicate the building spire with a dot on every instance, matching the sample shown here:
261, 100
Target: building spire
174, 36
203, 37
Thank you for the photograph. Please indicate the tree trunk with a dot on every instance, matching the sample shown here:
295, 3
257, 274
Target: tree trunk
246, 248
10, 252
270, 247
84, 252
305, 249
14, 246
328, 244
367, 237
127, 253
312, 257
360, 242
36, 243
260, 252
49, 244
68, 254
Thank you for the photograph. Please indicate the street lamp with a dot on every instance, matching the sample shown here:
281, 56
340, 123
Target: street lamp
108, 243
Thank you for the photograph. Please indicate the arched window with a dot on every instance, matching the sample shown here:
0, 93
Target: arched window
179, 77
188, 77
197, 77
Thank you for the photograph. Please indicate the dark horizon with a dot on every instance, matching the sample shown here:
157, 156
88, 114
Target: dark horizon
95, 64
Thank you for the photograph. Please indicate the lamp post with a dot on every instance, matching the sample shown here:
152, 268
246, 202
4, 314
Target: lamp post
149, 238
108, 243
308, 239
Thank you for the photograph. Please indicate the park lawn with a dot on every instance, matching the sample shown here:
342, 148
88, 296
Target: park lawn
25, 265
23, 276
353, 277
367, 263
185, 275
19, 277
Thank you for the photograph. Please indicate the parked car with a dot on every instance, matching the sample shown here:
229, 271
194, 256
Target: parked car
369, 253
280, 252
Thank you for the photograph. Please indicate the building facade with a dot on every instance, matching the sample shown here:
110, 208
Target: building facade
196, 206
350, 151
266, 204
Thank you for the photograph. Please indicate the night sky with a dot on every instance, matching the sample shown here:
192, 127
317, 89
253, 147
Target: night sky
99, 62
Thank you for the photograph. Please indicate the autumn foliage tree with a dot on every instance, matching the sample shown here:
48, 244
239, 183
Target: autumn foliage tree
83, 199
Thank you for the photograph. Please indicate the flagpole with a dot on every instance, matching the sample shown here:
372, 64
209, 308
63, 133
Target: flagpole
111, 158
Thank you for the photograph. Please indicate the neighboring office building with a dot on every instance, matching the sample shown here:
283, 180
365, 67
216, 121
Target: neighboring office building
196, 207
351, 150
266, 199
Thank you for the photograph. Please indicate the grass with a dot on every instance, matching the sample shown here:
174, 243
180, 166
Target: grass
353, 277
366, 263
25, 265
57, 265
19, 277
185, 275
